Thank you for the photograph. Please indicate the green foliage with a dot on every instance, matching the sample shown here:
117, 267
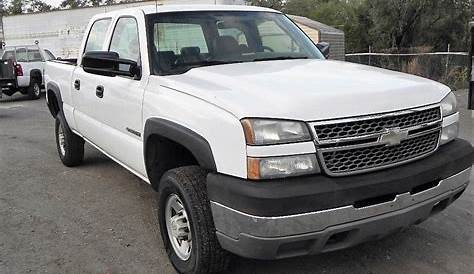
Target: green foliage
388, 25
274, 4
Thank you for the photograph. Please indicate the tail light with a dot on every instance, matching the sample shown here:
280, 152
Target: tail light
18, 70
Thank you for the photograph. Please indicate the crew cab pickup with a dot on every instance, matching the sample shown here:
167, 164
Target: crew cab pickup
22, 70
255, 143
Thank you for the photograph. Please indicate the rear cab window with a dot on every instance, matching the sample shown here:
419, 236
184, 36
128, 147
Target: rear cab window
34, 54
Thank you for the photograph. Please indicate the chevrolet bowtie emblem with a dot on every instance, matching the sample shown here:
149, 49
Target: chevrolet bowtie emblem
393, 136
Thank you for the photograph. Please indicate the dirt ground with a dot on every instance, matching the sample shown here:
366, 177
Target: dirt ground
97, 218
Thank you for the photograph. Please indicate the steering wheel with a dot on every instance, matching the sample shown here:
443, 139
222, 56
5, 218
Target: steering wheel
268, 48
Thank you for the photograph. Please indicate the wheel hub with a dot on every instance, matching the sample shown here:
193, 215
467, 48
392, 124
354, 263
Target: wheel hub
178, 226
36, 89
61, 139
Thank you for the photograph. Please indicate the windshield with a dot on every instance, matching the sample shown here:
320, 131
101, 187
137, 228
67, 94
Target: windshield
185, 40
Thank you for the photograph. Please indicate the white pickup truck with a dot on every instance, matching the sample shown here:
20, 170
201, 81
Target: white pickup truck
22, 70
255, 143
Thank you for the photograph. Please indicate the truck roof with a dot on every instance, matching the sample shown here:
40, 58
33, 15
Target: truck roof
150, 9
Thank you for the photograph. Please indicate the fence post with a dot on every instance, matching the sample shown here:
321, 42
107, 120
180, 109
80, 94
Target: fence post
370, 53
447, 61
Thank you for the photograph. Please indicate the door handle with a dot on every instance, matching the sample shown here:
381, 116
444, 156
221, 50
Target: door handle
99, 91
77, 84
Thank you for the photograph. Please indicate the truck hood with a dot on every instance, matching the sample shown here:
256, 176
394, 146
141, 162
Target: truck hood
306, 90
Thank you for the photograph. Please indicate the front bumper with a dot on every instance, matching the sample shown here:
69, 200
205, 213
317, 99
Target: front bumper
371, 209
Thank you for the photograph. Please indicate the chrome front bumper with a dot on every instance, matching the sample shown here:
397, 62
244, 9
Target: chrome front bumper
308, 233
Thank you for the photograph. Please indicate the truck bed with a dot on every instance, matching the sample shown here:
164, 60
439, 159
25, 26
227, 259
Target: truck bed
66, 61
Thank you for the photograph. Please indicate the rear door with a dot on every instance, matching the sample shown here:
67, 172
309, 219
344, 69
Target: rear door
110, 110
83, 86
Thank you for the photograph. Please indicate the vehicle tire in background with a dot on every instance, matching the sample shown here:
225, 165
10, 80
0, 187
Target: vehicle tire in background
70, 146
186, 223
34, 90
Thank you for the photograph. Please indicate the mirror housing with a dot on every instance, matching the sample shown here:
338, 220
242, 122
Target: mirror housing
108, 63
324, 48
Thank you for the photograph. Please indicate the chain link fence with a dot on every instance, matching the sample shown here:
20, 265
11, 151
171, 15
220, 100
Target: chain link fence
450, 68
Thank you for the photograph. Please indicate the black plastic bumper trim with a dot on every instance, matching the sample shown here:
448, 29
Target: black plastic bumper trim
297, 195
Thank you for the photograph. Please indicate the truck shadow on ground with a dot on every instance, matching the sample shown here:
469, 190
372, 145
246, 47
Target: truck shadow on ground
18, 97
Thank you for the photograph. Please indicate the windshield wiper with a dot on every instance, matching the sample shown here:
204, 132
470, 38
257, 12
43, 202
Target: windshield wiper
279, 58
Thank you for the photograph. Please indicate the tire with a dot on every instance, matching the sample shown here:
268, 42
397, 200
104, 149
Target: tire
34, 90
188, 184
70, 146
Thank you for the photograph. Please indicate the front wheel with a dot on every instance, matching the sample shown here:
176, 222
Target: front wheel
186, 223
70, 146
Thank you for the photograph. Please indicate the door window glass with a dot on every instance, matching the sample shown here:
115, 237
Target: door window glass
97, 35
125, 39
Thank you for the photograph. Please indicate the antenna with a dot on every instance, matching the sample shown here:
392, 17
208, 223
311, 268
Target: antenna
156, 6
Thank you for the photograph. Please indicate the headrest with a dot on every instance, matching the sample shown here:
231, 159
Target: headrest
190, 51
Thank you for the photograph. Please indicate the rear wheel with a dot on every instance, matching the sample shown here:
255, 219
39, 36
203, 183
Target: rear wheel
34, 90
186, 223
70, 146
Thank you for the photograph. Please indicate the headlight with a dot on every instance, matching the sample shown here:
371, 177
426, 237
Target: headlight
279, 167
449, 105
270, 132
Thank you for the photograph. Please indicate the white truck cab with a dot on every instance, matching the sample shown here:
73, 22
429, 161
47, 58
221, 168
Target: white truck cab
256, 144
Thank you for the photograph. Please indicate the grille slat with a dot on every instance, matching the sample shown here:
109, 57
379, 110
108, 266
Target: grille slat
375, 125
356, 145
344, 161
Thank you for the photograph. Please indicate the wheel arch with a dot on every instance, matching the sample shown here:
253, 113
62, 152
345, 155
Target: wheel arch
54, 100
36, 74
173, 137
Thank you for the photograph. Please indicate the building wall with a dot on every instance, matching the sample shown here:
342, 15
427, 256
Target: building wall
61, 31
337, 45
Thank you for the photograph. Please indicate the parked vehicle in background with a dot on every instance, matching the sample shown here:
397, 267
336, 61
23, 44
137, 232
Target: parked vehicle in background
22, 70
256, 144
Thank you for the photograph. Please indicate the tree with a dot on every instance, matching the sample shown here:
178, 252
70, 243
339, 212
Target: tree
15, 7
273, 4
73, 4
38, 6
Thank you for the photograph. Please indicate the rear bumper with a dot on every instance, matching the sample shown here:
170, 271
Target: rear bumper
308, 215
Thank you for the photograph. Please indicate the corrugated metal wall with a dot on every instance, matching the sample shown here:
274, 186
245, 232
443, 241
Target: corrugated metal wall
337, 44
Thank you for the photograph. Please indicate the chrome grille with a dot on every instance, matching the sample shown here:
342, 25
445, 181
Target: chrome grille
344, 161
376, 125
367, 143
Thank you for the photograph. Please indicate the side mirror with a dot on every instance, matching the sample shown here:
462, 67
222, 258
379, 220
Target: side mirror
108, 63
324, 48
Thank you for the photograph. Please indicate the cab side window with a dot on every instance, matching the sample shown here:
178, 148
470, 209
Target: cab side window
97, 35
125, 39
